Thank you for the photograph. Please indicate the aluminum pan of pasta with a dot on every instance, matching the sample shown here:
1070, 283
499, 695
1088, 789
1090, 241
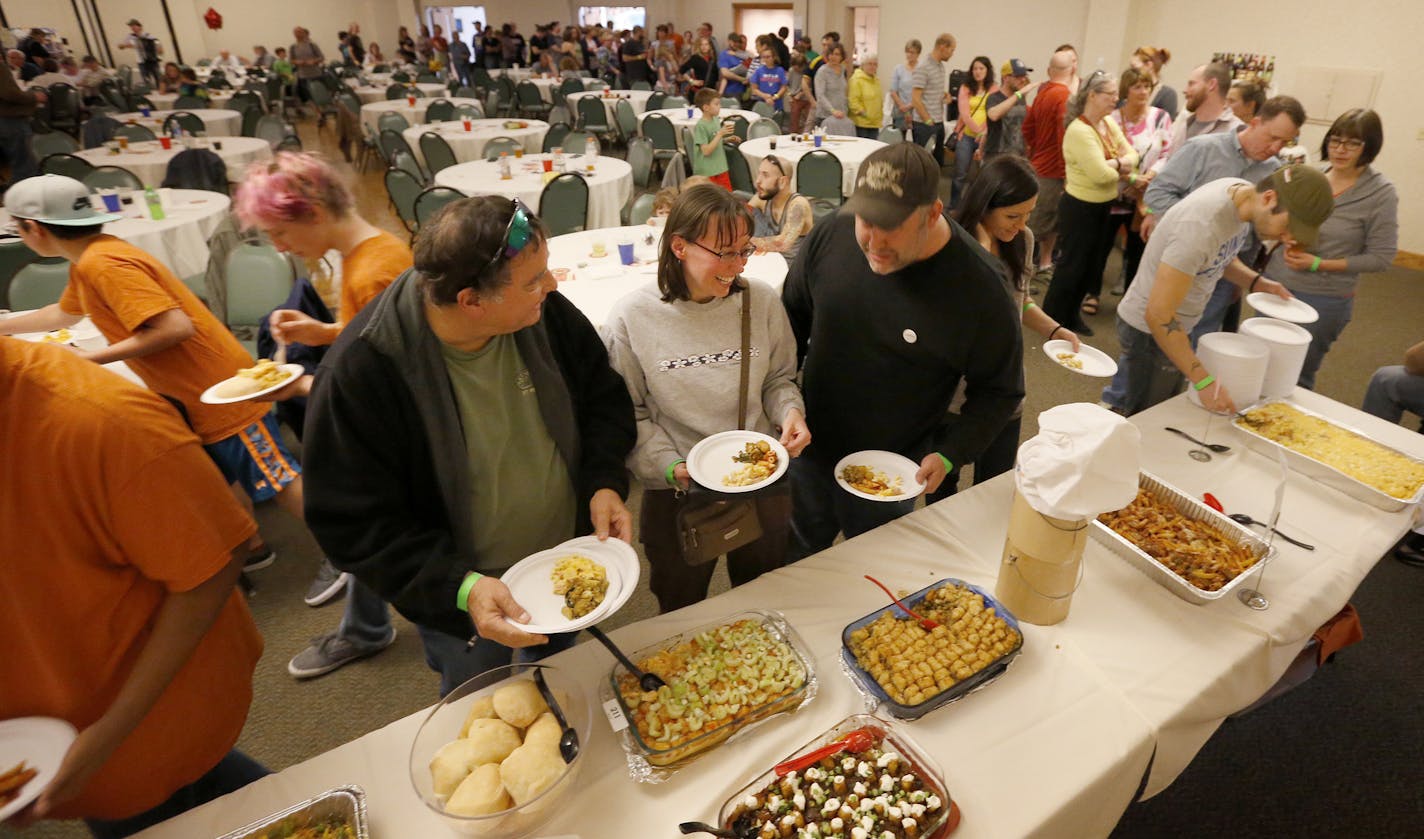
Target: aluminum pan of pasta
878, 695
654, 728
1333, 476
341, 812
1194, 511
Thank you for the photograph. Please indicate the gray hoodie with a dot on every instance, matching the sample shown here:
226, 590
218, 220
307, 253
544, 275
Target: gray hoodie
1363, 230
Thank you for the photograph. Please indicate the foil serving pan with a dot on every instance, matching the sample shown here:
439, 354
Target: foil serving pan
341, 805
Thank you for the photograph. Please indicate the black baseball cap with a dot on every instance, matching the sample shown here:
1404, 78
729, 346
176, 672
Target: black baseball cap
892, 183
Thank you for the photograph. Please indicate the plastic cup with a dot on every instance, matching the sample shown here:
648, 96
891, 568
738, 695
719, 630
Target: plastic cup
560, 275
772, 142
166, 142
217, 145
548, 164
519, 152
123, 142
689, 113
145, 110
818, 141
469, 126
625, 252
111, 201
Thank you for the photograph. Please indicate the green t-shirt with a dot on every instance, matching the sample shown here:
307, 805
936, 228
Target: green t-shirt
284, 68
522, 497
710, 164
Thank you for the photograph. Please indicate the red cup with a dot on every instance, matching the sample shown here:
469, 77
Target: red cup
166, 142
410, 100
469, 126
548, 164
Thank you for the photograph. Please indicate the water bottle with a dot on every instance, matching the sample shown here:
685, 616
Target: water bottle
504, 172
590, 152
559, 159
154, 204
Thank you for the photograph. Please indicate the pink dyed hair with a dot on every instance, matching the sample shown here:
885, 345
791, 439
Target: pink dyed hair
289, 188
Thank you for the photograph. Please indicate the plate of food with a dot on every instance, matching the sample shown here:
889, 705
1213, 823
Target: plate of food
737, 461
514, 123
262, 378
1087, 361
31, 750
573, 585
1294, 310
877, 475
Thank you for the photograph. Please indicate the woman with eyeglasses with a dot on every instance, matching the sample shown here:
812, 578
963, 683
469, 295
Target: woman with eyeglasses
995, 208
1359, 237
1096, 156
677, 345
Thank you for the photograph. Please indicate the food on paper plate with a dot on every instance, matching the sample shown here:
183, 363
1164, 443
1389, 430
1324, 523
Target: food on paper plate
715, 680
1342, 450
872, 793
1194, 550
1069, 360
59, 336
582, 582
13, 781
871, 482
758, 461
250, 380
913, 665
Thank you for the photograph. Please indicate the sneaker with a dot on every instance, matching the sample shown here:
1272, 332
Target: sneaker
263, 557
330, 652
328, 584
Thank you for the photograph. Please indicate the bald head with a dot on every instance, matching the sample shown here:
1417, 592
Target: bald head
1060, 66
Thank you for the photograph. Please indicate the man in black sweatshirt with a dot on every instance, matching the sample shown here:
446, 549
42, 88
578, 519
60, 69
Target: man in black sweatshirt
893, 304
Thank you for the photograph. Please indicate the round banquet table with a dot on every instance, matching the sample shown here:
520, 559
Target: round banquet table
594, 284
470, 145
218, 98
679, 119
180, 239
219, 122
609, 187
149, 160
371, 111
376, 93
637, 98
548, 87
849, 150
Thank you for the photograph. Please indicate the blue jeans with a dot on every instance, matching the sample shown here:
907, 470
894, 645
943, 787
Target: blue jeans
366, 620
1335, 313
820, 509
457, 662
964, 150
923, 131
1393, 391
235, 771
1213, 315
1145, 376
15, 148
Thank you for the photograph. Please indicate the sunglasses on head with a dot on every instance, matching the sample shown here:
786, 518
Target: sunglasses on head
517, 234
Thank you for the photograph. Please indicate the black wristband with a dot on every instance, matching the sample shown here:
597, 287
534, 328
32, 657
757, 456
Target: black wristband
1054, 332
1252, 287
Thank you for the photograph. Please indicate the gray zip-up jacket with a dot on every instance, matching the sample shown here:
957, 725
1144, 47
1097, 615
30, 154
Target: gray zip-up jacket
1363, 230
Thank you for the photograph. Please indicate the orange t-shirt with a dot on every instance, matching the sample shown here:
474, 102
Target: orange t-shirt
109, 505
120, 287
368, 269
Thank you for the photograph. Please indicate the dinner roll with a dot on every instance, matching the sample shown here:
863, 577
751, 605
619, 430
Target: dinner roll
529, 770
545, 731
493, 739
483, 709
519, 703
236, 386
453, 763
480, 794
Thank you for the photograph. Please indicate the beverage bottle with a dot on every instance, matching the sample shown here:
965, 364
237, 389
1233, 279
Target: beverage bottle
504, 171
154, 204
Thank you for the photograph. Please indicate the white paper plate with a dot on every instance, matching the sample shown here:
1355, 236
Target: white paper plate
292, 370
41, 743
530, 584
892, 465
1294, 310
711, 460
1095, 362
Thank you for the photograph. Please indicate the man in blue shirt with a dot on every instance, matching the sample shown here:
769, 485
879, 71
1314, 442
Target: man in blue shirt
733, 65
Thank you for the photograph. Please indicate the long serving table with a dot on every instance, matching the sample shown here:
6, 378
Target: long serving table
1128, 687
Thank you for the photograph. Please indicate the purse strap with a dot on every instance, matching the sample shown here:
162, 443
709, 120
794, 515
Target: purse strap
746, 353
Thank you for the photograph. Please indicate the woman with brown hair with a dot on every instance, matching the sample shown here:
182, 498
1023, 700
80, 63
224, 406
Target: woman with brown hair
1152, 60
676, 345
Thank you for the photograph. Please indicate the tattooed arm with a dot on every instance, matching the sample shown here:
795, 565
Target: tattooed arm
796, 224
1168, 291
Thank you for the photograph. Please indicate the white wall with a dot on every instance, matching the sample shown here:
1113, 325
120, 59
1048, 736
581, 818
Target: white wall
998, 31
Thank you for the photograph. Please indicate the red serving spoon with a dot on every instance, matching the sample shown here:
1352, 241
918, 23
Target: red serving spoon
856, 741
924, 622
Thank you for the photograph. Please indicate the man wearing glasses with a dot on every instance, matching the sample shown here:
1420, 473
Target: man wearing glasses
467, 418
893, 305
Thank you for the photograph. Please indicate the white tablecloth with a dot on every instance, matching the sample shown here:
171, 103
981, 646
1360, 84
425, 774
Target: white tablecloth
849, 150
609, 187
680, 120
220, 122
149, 160
637, 98
371, 111
594, 284
548, 87
376, 93
470, 145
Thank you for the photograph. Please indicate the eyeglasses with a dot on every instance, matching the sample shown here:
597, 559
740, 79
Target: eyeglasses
517, 234
1345, 143
727, 256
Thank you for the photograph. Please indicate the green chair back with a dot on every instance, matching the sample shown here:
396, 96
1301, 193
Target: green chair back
66, 164
554, 137
627, 120
563, 205
190, 123
391, 120
403, 188
111, 177
440, 109
39, 284
135, 133
763, 128
739, 172
259, 279
640, 157
642, 209
432, 199
498, 145
892, 136
818, 175
658, 128
438, 154
54, 142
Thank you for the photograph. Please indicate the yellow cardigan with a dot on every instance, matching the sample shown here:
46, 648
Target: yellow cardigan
865, 99
1088, 177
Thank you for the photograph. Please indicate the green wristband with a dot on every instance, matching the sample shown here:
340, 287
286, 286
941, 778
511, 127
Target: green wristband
1315, 266
1029, 305
462, 599
671, 473
948, 466
1205, 382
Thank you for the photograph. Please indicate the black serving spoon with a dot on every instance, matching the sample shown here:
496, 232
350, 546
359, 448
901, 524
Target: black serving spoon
647, 681
1247, 520
1216, 447
702, 827
568, 738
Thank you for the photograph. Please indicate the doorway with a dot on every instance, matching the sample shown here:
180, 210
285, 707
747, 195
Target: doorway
753, 19
457, 21
865, 31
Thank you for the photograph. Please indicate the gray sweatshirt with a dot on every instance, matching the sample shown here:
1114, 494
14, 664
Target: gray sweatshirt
831, 92
680, 361
1363, 230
